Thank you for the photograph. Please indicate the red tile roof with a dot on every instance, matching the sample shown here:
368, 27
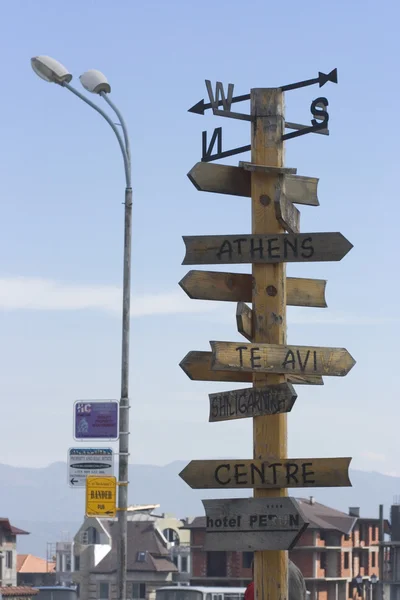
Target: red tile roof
27, 563
5, 523
17, 591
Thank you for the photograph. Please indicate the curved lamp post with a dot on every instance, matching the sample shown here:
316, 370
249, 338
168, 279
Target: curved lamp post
94, 81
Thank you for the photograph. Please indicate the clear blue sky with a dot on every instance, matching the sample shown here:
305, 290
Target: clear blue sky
61, 189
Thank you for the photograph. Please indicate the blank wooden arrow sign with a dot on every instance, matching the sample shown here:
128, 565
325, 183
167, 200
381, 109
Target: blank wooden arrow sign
236, 181
269, 474
274, 358
237, 287
263, 249
252, 402
249, 524
197, 366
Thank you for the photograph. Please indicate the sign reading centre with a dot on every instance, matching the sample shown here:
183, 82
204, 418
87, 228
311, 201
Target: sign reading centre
96, 420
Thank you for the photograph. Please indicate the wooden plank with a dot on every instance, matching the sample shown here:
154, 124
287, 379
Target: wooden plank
287, 214
197, 366
244, 320
247, 166
237, 287
262, 249
251, 402
256, 524
267, 473
235, 181
279, 358
269, 432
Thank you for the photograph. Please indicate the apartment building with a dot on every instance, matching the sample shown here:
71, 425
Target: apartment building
335, 553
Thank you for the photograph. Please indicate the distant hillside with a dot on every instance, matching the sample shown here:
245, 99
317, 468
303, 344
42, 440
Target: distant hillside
40, 501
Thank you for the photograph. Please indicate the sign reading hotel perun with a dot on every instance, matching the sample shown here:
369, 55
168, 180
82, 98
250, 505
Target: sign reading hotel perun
269, 521
259, 523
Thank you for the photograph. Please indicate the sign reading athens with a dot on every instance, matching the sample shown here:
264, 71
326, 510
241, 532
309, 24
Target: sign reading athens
237, 249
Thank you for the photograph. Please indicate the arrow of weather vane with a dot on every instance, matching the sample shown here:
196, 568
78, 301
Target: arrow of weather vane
319, 124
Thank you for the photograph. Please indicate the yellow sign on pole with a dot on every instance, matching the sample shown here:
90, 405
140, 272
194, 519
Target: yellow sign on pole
101, 496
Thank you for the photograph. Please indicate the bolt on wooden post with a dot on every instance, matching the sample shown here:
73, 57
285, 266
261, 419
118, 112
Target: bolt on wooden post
269, 314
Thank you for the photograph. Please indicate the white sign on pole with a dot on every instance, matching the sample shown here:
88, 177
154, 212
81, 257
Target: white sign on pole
88, 461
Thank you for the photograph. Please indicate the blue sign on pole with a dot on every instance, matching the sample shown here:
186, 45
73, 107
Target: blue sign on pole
96, 420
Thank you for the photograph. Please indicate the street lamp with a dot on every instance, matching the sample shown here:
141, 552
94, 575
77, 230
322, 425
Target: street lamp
94, 81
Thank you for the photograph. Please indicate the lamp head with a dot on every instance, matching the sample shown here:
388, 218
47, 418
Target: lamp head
50, 70
95, 81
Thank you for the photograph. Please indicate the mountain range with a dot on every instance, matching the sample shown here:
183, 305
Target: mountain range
40, 501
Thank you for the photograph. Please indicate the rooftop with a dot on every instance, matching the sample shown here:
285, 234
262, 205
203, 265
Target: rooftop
17, 591
5, 524
27, 563
143, 539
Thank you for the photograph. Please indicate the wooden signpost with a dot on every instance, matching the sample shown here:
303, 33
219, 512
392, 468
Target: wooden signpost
279, 358
259, 524
264, 249
237, 287
269, 523
252, 402
267, 473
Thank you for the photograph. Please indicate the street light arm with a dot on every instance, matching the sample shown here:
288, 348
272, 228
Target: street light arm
113, 127
121, 120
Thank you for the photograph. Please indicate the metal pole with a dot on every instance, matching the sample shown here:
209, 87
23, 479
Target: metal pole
381, 552
123, 461
124, 404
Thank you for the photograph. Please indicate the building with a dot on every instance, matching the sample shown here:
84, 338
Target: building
335, 549
35, 571
8, 552
149, 563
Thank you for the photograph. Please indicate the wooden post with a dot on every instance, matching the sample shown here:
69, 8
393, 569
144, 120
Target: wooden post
269, 314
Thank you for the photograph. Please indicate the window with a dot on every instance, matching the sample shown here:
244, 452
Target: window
322, 560
373, 559
138, 591
9, 559
347, 537
247, 559
346, 562
184, 564
91, 536
216, 564
68, 562
322, 535
77, 563
175, 559
171, 536
141, 557
104, 591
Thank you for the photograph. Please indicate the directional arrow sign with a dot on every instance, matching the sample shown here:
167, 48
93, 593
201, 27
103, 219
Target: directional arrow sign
200, 107
322, 79
274, 358
263, 249
197, 366
101, 496
252, 402
256, 524
236, 181
237, 287
270, 474
88, 461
